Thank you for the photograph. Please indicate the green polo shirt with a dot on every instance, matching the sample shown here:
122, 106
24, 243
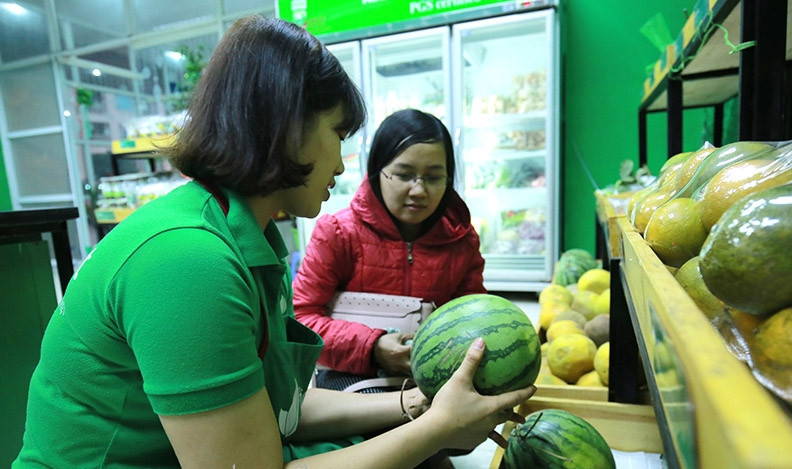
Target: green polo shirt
163, 317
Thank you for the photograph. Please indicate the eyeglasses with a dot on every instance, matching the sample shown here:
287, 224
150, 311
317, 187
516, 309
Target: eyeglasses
430, 181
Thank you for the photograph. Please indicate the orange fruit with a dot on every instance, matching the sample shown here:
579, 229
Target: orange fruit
736, 181
672, 166
773, 338
675, 231
646, 207
688, 169
689, 278
638, 196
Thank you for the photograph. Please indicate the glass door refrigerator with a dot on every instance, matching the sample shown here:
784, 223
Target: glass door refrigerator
505, 115
408, 70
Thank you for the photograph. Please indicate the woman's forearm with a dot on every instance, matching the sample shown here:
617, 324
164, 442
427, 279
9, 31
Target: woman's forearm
329, 414
402, 447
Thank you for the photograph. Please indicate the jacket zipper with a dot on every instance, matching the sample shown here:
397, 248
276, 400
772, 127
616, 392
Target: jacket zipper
408, 271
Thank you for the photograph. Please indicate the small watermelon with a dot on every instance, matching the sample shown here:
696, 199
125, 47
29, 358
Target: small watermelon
556, 439
512, 356
571, 265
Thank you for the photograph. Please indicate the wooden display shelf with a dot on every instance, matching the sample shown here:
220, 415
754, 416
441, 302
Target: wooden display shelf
608, 214
717, 414
626, 427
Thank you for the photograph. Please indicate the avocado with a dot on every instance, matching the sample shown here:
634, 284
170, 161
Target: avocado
745, 259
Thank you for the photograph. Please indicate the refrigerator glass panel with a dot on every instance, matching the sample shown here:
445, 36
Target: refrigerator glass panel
504, 122
348, 54
408, 70
346, 184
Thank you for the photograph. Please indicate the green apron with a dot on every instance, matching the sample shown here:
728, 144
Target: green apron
289, 352
289, 361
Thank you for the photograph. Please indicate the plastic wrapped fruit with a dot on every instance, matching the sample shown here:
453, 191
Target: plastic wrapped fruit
745, 259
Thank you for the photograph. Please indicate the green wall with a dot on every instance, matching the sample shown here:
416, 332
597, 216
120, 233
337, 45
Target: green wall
5, 195
603, 64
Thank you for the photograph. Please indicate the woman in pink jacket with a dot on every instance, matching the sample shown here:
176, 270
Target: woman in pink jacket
406, 232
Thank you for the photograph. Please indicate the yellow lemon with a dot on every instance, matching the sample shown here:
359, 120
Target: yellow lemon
590, 379
570, 315
544, 348
584, 303
602, 303
556, 292
602, 362
548, 311
570, 356
595, 280
559, 328
548, 379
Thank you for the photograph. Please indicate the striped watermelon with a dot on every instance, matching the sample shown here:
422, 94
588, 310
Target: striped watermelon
512, 356
556, 439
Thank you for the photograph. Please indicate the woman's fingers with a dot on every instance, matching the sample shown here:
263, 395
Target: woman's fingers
472, 359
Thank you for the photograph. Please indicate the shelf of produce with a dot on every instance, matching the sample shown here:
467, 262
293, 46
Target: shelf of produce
713, 410
610, 208
141, 147
626, 427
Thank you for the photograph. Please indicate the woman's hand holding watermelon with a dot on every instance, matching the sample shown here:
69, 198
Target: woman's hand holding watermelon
392, 354
465, 416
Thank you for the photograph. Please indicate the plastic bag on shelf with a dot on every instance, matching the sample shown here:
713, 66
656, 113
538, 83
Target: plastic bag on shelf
672, 177
677, 227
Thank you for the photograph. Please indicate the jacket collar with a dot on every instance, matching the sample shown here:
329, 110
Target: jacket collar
453, 225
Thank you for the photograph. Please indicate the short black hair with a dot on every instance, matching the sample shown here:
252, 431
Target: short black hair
401, 130
262, 89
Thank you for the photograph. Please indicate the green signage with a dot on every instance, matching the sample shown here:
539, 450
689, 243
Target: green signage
323, 17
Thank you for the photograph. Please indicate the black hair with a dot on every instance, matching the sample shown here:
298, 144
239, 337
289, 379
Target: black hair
262, 89
399, 131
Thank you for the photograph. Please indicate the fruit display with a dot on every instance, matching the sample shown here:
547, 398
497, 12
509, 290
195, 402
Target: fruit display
721, 219
555, 438
574, 323
512, 356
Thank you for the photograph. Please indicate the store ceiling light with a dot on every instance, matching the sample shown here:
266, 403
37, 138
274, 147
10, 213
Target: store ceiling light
96, 72
14, 8
173, 55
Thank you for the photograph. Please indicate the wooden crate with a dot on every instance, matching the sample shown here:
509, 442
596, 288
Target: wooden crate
608, 214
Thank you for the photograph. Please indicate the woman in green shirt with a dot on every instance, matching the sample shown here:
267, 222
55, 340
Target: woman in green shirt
175, 344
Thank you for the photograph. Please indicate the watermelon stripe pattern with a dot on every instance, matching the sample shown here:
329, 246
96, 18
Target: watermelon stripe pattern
512, 356
556, 439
